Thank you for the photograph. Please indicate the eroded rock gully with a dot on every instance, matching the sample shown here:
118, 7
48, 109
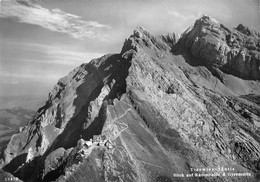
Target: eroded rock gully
163, 109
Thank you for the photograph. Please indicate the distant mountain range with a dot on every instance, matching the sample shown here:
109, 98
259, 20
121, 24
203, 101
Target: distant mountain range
167, 108
24, 101
10, 121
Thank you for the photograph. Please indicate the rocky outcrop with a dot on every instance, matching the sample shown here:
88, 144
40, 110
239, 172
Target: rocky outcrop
163, 115
235, 51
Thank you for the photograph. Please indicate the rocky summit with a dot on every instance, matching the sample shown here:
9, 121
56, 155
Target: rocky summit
166, 108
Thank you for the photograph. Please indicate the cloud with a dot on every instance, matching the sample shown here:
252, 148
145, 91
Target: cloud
55, 19
41, 62
12, 82
184, 17
40, 75
58, 54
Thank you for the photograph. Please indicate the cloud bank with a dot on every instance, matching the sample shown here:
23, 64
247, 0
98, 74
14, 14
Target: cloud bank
55, 19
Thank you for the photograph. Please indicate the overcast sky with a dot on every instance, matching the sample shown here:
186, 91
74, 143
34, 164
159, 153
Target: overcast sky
42, 40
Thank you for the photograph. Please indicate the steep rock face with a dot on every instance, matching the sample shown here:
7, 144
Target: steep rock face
162, 113
236, 51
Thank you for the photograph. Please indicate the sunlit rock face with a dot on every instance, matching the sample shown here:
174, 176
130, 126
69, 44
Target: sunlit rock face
165, 106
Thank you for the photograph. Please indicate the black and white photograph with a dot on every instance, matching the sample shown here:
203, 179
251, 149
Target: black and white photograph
129, 90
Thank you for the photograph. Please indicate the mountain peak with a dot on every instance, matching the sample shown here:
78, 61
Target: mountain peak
139, 32
141, 38
206, 19
202, 24
140, 28
212, 41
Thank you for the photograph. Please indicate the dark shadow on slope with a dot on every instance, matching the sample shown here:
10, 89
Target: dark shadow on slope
18, 163
212, 67
119, 75
253, 98
190, 59
73, 130
58, 117
225, 69
40, 111
95, 128
12, 166
55, 174
115, 70
193, 61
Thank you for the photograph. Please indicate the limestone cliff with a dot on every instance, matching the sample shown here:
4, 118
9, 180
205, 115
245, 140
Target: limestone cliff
163, 110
